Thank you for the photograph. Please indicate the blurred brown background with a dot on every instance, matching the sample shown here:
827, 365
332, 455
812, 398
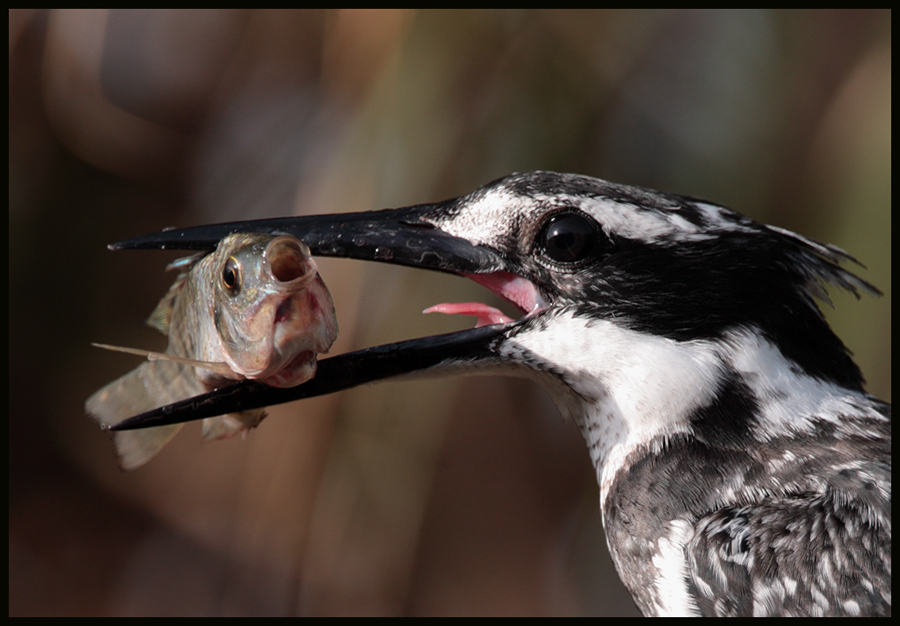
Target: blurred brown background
461, 496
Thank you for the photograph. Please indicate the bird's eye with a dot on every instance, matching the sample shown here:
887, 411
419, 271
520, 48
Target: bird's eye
231, 276
568, 238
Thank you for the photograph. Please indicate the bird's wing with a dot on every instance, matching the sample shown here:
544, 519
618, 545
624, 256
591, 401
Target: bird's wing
824, 554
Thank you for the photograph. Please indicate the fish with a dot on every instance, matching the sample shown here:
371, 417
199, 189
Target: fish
255, 308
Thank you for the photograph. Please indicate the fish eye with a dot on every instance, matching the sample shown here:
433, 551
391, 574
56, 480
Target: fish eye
231, 276
568, 237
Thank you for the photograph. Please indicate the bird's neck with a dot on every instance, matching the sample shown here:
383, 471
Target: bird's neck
632, 392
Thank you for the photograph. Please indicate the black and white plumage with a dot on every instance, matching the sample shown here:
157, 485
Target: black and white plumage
743, 469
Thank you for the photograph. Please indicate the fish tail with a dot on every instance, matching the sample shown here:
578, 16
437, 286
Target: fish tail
147, 387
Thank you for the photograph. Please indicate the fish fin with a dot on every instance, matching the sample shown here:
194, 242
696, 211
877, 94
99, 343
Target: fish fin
161, 317
135, 447
222, 369
149, 386
185, 263
227, 426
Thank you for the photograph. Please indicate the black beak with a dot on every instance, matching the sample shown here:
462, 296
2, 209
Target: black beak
404, 236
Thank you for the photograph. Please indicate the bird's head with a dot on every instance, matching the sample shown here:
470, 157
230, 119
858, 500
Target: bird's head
640, 309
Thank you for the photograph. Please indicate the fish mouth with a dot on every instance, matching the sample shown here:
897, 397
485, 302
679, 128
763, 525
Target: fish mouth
409, 236
288, 264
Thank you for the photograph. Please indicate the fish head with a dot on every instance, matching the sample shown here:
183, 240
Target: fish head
272, 312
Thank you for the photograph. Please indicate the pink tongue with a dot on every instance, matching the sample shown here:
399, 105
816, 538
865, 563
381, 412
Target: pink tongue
486, 315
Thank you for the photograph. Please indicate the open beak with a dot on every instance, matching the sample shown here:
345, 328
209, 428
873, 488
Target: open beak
406, 236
